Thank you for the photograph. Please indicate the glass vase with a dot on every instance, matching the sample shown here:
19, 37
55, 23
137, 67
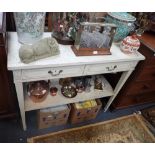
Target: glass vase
29, 26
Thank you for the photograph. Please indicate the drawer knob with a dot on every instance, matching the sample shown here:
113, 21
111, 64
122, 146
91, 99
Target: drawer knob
111, 68
55, 74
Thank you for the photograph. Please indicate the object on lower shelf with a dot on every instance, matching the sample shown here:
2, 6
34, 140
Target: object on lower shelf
80, 84
68, 91
88, 83
68, 88
89, 112
98, 82
72, 86
53, 91
53, 116
94, 39
66, 81
53, 87
86, 104
38, 91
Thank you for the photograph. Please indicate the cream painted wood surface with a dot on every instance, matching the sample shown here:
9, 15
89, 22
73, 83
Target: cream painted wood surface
59, 99
52, 72
67, 65
119, 85
66, 57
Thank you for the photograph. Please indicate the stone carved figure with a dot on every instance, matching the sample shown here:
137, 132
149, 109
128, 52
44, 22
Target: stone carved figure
44, 48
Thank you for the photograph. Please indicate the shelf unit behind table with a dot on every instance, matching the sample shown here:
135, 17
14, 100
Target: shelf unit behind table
59, 99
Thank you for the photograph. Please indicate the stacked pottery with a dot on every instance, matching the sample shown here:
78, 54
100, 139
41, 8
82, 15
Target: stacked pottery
29, 26
130, 44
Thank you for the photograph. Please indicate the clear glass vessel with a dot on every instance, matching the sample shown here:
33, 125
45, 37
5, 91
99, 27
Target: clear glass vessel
95, 35
29, 26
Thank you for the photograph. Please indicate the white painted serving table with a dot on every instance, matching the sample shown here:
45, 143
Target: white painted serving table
67, 65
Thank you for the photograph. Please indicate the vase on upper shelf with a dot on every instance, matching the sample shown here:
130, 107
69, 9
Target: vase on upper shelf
29, 26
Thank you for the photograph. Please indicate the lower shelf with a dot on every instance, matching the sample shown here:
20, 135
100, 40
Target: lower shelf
59, 99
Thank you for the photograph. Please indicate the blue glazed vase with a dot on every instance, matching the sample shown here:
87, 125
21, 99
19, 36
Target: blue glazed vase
29, 26
124, 22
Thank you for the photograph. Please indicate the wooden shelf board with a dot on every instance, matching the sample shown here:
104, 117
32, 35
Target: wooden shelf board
59, 99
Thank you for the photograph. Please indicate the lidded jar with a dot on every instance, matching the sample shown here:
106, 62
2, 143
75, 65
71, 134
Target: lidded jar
124, 22
130, 44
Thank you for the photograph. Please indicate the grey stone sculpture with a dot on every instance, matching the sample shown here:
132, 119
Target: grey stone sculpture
44, 48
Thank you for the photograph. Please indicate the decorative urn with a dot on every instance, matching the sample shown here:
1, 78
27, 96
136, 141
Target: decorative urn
124, 22
130, 44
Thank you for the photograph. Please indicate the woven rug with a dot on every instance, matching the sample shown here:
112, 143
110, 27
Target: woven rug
128, 129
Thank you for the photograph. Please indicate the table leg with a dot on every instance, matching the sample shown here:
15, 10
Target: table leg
118, 87
20, 95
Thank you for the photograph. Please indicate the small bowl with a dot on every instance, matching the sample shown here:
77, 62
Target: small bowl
38, 91
53, 91
69, 91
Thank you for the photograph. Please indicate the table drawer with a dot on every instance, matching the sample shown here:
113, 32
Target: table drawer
109, 68
51, 73
141, 87
146, 74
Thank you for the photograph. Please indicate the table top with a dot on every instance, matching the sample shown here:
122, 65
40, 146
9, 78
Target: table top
65, 58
